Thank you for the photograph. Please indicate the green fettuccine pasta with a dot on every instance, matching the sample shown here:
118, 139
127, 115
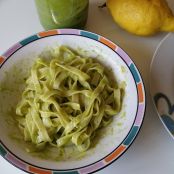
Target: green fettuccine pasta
67, 100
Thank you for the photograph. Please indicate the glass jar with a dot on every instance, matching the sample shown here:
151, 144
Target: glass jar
62, 13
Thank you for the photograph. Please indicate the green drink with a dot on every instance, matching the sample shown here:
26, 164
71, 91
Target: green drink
62, 13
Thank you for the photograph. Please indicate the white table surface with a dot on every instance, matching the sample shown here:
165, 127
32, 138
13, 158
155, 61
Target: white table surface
153, 150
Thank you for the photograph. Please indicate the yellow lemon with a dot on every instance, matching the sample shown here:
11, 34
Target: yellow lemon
142, 17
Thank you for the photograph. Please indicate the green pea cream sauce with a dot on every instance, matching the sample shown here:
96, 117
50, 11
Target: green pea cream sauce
62, 13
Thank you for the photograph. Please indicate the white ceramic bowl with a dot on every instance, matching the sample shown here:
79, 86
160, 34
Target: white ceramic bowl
162, 82
118, 135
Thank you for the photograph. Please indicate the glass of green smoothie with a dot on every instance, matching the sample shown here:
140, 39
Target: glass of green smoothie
62, 13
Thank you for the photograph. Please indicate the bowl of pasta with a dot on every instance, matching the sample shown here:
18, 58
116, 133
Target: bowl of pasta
65, 95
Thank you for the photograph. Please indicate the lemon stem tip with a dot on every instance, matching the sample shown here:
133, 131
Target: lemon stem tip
102, 6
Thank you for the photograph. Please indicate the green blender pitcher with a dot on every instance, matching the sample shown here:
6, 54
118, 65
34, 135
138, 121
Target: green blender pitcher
62, 13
